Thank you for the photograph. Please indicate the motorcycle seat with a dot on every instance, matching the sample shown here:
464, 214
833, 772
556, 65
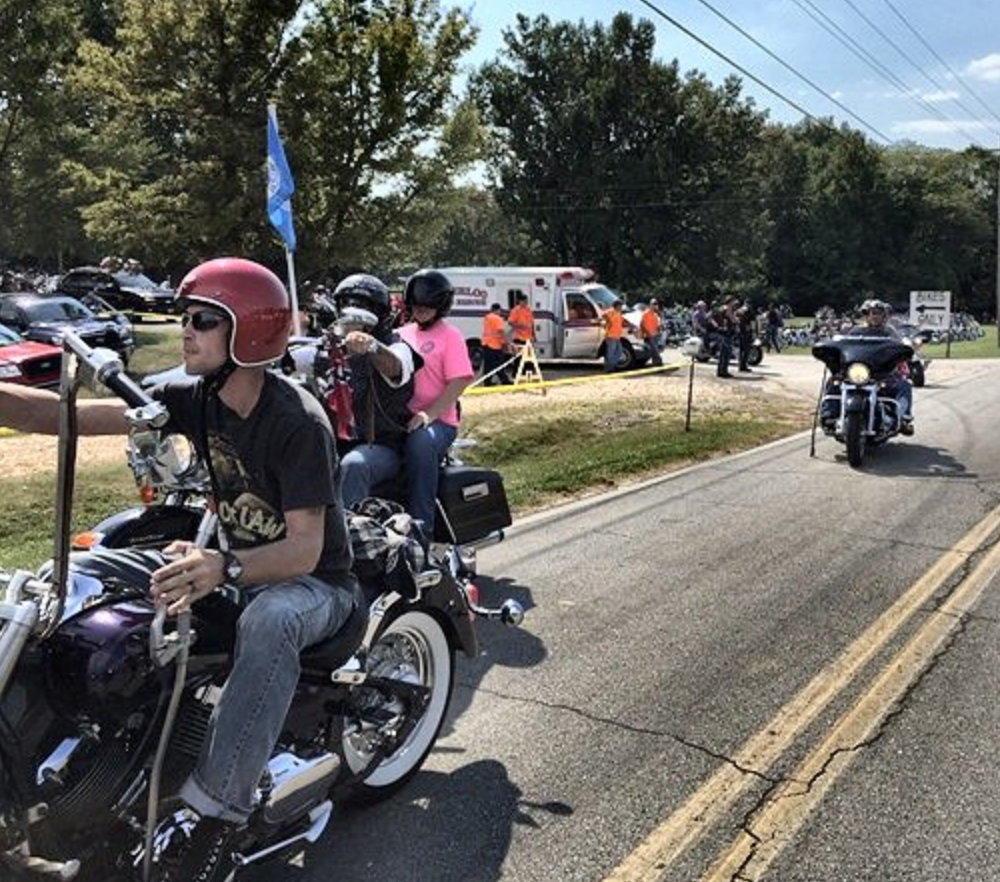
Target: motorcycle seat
330, 654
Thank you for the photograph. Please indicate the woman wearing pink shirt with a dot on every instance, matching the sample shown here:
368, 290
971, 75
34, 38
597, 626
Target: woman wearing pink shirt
438, 382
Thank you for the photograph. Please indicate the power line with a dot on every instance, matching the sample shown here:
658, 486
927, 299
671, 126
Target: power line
791, 69
732, 63
836, 31
909, 60
940, 60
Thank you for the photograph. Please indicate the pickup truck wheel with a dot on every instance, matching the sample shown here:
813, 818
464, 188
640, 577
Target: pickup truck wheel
475, 354
627, 361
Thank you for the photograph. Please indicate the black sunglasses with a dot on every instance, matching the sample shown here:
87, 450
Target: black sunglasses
205, 320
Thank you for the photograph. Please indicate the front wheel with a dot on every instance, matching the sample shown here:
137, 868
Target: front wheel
854, 437
755, 356
413, 649
917, 376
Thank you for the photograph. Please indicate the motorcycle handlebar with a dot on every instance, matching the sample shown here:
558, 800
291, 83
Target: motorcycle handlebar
110, 371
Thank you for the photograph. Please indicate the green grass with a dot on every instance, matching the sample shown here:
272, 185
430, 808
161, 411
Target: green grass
547, 457
157, 347
29, 508
587, 448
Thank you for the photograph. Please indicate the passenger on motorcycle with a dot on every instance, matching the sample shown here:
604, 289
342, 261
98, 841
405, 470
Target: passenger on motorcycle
380, 377
438, 383
272, 462
876, 324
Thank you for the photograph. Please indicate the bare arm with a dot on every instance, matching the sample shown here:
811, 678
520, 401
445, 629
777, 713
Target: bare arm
199, 571
449, 395
37, 411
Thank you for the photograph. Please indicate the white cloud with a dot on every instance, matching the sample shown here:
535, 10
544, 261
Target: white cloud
986, 68
939, 96
917, 127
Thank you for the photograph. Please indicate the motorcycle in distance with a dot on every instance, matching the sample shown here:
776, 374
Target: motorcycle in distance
703, 350
104, 704
856, 406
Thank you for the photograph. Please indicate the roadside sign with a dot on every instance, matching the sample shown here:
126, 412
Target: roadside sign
930, 309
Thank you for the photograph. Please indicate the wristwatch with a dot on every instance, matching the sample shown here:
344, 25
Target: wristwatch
373, 346
232, 568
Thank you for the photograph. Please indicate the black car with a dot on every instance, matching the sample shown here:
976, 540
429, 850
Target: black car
45, 318
134, 294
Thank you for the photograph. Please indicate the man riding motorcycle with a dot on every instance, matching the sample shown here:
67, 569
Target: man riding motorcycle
272, 462
876, 315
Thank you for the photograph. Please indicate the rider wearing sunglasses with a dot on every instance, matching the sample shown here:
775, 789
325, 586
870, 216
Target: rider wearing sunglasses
272, 460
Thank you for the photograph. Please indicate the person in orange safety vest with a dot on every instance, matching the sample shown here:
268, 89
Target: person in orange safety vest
495, 347
649, 330
614, 328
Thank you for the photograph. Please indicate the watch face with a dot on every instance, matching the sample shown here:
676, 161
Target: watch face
234, 569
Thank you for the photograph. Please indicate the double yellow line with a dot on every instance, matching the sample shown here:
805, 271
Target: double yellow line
785, 810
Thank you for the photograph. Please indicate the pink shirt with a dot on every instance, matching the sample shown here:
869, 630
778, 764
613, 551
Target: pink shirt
446, 358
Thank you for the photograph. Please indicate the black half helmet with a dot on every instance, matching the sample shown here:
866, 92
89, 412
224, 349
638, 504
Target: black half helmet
363, 293
431, 288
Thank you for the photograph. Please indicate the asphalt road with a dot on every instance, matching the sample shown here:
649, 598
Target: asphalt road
770, 666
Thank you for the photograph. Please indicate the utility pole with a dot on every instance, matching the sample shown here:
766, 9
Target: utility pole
998, 251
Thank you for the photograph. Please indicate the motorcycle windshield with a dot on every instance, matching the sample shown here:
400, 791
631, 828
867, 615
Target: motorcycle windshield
881, 354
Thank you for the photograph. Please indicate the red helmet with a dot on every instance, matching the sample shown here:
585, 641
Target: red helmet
255, 300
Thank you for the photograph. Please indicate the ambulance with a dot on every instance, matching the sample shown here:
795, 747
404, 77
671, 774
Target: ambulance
566, 302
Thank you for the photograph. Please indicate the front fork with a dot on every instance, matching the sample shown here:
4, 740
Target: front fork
866, 400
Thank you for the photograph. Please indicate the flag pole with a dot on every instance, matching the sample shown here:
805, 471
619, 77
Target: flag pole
296, 322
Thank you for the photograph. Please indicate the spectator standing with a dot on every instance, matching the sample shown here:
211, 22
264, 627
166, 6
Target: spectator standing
774, 322
702, 324
495, 347
614, 328
521, 321
649, 330
438, 383
726, 323
745, 325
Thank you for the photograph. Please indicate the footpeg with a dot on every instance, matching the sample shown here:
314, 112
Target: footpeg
319, 817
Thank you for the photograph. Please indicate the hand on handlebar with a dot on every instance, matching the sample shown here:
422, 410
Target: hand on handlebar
190, 574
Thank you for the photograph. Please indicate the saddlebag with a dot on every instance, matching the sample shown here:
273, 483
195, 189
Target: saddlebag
471, 504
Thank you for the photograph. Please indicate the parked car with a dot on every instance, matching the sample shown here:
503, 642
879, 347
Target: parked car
44, 318
26, 362
134, 294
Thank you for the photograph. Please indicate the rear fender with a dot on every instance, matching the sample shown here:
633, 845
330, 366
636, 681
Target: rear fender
448, 601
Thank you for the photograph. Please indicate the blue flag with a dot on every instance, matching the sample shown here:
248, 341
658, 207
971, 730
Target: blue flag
280, 185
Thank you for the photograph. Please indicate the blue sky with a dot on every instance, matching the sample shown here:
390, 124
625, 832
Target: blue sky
890, 85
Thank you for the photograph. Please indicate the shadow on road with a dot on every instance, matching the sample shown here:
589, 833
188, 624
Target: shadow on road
443, 827
499, 644
911, 460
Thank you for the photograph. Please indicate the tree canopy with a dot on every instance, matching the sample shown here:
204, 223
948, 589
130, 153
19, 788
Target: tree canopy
137, 127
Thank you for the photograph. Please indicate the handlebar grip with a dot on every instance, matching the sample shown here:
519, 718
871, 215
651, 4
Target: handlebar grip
115, 378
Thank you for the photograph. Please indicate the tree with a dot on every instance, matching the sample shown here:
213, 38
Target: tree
173, 170
611, 159
378, 137
40, 40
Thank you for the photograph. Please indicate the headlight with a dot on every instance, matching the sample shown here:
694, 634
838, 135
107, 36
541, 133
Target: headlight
858, 373
9, 371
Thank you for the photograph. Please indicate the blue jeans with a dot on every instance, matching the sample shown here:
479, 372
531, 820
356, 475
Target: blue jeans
424, 449
363, 467
612, 353
725, 353
278, 623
